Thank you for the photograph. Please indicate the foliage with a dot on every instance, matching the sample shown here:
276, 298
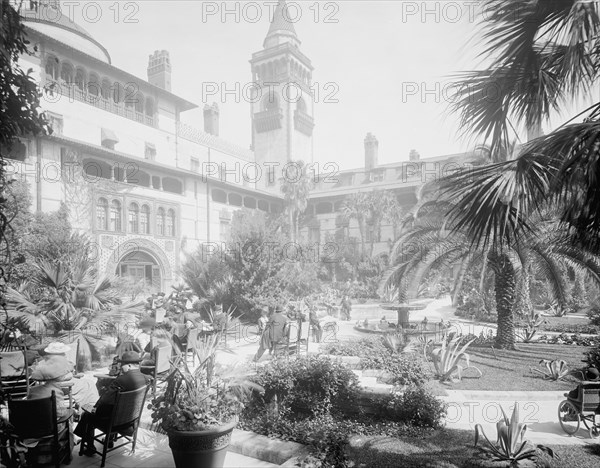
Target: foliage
447, 357
475, 307
510, 446
296, 186
534, 320
555, 369
592, 356
327, 435
21, 113
482, 340
374, 354
594, 315
574, 339
74, 303
415, 406
307, 385
203, 399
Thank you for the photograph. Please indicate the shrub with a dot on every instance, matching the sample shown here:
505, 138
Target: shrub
416, 406
306, 386
594, 315
592, 357
405, 369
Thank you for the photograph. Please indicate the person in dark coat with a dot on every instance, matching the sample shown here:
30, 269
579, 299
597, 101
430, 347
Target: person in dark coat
130, 379
275, 332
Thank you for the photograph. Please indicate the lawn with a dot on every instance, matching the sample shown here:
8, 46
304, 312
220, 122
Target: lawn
505, 370
449, 448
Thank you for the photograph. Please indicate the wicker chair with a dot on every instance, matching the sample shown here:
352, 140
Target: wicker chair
123, 423
14, 373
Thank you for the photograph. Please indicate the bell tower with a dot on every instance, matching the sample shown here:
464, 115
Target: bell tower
283, 102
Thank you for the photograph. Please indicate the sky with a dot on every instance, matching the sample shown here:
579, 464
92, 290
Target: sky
380, 66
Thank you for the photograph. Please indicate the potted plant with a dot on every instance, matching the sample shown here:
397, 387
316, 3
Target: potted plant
198, 410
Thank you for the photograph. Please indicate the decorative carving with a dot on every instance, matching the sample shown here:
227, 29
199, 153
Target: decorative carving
136, 245
107, 241
268, 120
169, 246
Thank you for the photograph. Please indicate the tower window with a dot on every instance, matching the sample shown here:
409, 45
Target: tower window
150, 151
270, 102
52, 67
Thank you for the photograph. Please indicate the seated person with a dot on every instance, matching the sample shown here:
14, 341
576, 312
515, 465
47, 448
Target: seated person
83, 391
383, 323
49, 373
591, 375
130, 379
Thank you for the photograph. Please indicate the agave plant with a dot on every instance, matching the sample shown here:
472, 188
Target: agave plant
534, 320
396, 343
556, 369
510, 445
447, 358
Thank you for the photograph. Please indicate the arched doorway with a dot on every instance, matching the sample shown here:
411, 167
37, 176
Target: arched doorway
139, 267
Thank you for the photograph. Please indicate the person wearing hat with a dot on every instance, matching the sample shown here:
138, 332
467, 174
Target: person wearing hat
130, 379
48, 374
275, 332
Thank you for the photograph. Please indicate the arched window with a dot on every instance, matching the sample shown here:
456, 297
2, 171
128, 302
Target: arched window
149, 107
102, 214
171, 223
160, 222
270, 102
52, 67
115, 216
139, 102
105, 89
94, 85
145, 219
301, 106
80, 79
66, 72
134, 218
117, 92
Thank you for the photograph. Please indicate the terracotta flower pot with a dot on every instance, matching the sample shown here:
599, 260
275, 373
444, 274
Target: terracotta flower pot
206, 449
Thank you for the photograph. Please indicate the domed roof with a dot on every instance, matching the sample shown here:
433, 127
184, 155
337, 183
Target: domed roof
50, 20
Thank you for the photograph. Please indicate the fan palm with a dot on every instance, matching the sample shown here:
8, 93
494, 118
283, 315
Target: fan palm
544, 54
73, 303
433, 244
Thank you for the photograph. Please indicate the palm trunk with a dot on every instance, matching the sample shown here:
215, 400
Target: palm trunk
505, 298
292, 232
523, 305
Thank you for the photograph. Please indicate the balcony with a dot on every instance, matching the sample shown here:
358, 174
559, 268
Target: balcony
268, 120
303, 122
74, 93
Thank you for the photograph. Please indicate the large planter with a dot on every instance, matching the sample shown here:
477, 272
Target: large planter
206, 449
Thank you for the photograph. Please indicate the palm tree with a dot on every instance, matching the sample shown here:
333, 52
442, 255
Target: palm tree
357, 206
544, 55
432, 244
72, 302
296, 189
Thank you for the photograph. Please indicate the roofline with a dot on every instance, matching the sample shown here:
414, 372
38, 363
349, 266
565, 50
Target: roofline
61, 26
183, 103
101, 150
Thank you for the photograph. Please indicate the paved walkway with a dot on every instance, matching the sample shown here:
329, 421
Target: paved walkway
539, 410
152, 451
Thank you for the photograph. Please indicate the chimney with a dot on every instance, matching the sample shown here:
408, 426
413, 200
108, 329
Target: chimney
211, 119
159, 69
371, 150
414, 155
